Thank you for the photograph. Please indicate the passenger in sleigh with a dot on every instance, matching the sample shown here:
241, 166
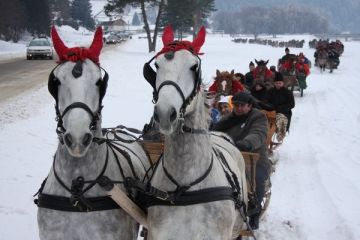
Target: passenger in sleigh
248, 127
302, 71
282, 99
261, 95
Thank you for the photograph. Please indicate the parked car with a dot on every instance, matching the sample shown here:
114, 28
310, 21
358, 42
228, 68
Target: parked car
112, 39
39, 48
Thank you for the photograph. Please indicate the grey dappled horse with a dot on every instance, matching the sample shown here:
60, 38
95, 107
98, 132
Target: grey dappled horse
71, 203
194, 162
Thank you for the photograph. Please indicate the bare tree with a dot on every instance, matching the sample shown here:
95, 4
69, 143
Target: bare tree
117, 6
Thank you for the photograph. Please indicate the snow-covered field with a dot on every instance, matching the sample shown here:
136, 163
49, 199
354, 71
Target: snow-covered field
316, 185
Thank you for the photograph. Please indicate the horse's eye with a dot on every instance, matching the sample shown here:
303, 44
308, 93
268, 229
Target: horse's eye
157, 66
194, 67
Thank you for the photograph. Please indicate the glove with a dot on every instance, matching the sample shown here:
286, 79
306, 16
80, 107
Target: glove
243, 145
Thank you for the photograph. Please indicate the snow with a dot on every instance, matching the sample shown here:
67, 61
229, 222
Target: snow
12, 50
316, 184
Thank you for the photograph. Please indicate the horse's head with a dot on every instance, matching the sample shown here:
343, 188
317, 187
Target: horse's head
78, 88
177, 79
224, 81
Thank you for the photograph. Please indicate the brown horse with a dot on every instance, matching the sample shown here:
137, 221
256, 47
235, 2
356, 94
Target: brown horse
225, 83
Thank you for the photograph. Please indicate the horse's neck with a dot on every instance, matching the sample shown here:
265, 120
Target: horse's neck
187, 156
69, 168
89, 166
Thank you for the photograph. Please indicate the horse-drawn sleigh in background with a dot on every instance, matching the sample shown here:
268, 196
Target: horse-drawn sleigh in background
294, 71
327, 54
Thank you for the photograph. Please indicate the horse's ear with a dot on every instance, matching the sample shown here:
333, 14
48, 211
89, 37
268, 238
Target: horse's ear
59, 46
217, 73
267, 62
97, 42
257, 62
168, 35
199, 39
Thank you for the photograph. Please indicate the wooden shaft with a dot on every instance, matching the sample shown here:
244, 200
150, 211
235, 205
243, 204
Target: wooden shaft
128, 205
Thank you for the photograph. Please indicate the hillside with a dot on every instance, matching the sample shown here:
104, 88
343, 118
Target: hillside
343, 14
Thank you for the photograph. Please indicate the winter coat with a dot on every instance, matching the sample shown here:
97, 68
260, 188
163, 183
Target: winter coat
282, 100
305, 68
261, 98
251, 128
249, 80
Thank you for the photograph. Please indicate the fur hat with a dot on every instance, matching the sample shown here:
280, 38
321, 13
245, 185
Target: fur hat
278, 77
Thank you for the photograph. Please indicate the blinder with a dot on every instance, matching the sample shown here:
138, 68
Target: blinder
150, 75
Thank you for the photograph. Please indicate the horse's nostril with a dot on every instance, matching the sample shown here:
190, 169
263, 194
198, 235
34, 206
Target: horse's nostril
68, 139
173, 115
87, 139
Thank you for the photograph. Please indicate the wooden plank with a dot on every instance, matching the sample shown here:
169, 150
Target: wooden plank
250, 169
128, 205
246, 233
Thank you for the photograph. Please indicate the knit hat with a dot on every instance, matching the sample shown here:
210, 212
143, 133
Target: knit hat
287, 49
224, 99
251, 64
241, 98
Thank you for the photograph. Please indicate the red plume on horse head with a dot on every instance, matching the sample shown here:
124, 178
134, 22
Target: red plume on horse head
194, 46
78, 53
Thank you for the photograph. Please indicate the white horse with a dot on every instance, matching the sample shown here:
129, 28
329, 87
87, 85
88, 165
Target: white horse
190, 168
71, 203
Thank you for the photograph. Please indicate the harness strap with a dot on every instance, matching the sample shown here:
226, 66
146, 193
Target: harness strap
172, 84
180, 189
65, 204
194, 197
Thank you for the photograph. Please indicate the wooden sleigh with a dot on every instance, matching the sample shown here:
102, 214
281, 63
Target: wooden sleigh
155, 149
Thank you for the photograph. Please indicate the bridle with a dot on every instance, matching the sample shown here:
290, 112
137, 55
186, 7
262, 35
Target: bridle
53, 84
150, 76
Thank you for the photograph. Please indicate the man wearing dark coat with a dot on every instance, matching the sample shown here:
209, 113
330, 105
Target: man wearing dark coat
248, 127
249, 76
260, 94
282, 99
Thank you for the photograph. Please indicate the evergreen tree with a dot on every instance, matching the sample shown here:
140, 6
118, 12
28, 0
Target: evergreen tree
38, 13
60, 10
178, 14
186, 14
135, 21
80, 11
12, 20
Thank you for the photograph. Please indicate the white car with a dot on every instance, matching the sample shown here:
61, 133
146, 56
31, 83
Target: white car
39, 48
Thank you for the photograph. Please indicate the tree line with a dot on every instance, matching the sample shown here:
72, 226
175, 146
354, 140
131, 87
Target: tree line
185, 16
36, 16
290, 19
